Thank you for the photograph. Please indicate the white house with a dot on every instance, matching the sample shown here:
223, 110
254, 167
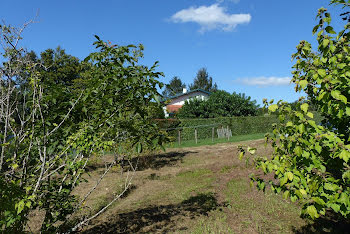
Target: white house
173, 104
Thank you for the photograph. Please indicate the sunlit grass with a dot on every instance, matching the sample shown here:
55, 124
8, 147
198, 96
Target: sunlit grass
209, 141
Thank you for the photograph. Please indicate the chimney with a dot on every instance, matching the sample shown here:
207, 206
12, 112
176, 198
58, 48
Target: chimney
184, 90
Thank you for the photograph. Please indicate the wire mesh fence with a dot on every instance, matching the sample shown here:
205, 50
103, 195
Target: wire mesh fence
206, 131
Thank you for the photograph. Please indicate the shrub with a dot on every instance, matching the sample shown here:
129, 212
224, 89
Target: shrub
310, 160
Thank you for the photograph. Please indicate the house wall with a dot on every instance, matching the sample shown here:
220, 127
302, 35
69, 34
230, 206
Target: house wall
166, 114
181, 100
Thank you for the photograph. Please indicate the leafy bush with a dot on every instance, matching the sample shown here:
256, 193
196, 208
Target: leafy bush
47, 138
219, 104
311, 160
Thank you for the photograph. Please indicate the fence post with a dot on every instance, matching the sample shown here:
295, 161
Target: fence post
212, 134
179, 133
195, 135
228, 135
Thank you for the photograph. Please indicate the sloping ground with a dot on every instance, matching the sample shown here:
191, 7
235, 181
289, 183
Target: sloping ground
194, 190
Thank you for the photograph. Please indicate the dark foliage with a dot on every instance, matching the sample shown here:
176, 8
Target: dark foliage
203, 81
174, 87
219, 104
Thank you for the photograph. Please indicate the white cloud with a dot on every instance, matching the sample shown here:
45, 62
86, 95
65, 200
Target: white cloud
265, 81
210, 17
234, 1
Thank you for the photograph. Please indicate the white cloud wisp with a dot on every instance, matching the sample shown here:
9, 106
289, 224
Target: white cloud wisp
234, 1
265, 81
210, 18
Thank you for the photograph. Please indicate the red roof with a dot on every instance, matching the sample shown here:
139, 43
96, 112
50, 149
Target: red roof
173, 108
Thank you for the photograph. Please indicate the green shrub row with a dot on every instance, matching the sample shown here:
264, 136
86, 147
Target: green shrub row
204, 127
238, 126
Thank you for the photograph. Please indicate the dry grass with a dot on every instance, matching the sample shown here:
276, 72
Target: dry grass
195, 190
191, 190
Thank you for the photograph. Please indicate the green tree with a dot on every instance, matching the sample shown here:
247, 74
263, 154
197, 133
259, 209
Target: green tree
219, 104
203, 81
174, 87
193, 108
44, 153
58, 74
310, 161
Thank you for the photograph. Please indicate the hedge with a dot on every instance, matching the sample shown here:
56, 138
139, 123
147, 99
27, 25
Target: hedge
238, 125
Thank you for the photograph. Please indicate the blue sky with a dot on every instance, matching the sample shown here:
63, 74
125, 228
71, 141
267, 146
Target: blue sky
246, 45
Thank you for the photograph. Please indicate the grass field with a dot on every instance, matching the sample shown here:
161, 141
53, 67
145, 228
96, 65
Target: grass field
202, 189
196, 190
209, 141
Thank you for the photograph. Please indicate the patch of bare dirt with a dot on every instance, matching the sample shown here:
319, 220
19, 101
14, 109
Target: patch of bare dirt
153, 207
162, 215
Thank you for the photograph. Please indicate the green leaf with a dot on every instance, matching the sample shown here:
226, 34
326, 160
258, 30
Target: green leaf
303, 192
309, 114
298, 150
251, 150
337, 95
318, 148
303, 83
290, 175
329, 29
20, 206
335, 207
318, 201
289, 124
327, 19
322, 72
325, 42
138, 147
321, 95
241, 155
332, 48
346, 176
343, 99
330, 187
311, 210
273, 107
344, 198
97, 37
345, 155
306, 154
293, 198
283, 180
261, 185
347, 111
304, 107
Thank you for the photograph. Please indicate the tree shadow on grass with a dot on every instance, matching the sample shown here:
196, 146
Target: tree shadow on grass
331, 223
156, 218
152, 161
157, 161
